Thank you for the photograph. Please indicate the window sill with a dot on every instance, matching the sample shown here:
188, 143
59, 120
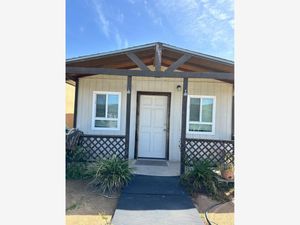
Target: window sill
200, 133
106, 129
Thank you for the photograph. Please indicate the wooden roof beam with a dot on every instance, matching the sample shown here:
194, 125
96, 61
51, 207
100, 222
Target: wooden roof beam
179, 62
157, 57
189, 67
137, 61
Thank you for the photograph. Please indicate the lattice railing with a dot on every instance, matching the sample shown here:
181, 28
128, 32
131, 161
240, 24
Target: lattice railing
95, 147
214, 151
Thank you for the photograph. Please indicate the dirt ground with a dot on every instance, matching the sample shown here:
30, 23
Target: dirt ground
83, 206
221, 215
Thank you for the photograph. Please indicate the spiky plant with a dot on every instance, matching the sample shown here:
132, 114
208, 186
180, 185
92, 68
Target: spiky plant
110, 175
202, 179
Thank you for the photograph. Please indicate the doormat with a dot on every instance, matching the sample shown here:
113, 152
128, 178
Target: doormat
151, 163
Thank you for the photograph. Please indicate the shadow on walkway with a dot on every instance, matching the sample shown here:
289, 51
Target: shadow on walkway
155, 200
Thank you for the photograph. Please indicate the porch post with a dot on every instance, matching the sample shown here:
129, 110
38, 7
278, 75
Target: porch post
75, 103
183, 124
128, 106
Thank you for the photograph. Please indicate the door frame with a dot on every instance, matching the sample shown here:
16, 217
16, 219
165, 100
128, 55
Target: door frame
139, 93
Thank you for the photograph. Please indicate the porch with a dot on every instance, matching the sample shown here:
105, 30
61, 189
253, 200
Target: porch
155, 167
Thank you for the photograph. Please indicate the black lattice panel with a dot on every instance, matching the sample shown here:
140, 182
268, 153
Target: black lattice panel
214, 151
103, 147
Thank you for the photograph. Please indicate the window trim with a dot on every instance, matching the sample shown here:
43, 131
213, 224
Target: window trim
194, 122
94, 118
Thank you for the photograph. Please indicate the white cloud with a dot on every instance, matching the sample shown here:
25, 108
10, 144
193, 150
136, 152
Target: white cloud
205, 23
155, 18
231, 22
118, 39
218, 14
120, 17
121, 42
126, 44
102, 20
208, 24
106, 23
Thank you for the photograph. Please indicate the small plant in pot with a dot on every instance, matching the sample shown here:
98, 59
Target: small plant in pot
227, 170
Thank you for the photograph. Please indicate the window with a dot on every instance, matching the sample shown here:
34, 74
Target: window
200, 114
106, 110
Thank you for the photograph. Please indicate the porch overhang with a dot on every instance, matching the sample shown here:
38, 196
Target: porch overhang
167, 62
74, 73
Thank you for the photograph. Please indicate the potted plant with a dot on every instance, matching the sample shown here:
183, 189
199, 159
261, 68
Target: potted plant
227, 170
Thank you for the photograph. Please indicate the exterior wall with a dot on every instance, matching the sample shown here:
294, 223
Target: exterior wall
222, 91
70, 98
85, 101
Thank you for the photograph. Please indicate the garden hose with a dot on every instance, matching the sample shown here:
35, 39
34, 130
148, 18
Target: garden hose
209, 208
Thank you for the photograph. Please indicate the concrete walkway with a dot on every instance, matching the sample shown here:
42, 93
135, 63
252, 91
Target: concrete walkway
155, 200
172, 168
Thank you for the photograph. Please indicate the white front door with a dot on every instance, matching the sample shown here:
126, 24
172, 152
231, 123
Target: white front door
152, 127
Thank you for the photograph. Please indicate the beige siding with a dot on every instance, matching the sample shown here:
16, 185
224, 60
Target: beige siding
221, 90
85, 99
223, 93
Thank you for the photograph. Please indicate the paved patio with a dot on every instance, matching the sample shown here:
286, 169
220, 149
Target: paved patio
155, 200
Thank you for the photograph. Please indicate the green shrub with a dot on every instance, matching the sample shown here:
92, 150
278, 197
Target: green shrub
76, 167
202, 179
76, 170
110, 175
76, 155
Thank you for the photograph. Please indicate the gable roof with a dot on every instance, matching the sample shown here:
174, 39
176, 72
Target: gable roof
119, 60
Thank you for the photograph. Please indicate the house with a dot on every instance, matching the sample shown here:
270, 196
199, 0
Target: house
154, 101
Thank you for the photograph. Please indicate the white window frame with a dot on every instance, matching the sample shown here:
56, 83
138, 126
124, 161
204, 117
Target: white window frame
209, 123
94, 118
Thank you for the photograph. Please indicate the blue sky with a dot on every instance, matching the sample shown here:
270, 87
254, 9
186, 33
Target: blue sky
94, 26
